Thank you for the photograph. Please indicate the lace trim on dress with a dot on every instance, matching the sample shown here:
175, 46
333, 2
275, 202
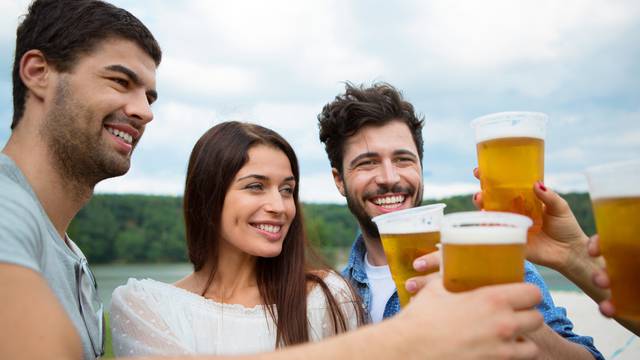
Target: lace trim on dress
229, 309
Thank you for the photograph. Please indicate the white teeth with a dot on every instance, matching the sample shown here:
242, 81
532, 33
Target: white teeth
389, 200
121, 134
269, 228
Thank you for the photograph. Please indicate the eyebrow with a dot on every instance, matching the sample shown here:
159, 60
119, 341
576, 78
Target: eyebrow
262, 177
152, 94
370, 154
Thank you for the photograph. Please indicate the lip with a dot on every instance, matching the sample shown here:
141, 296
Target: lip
121, 146
385, 210
135, 134
269, 235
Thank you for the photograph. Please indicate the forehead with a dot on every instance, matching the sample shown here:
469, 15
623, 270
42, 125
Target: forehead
117, 51
385, 139
266, 160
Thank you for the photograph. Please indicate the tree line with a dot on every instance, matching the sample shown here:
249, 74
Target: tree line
145, 229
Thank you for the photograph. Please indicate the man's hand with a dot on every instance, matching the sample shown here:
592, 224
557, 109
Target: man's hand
487, 323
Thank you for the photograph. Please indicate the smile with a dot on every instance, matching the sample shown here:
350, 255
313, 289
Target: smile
274, 229
389, 202
126, 137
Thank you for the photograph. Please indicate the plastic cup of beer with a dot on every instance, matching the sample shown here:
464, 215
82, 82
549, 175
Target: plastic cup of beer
615, 195
481, 248
510, 148
407, 235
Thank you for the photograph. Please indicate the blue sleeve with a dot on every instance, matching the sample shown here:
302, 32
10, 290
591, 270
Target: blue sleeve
556, 317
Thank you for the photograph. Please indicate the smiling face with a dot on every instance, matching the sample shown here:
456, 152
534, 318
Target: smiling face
381, 173
259, 205
99, 111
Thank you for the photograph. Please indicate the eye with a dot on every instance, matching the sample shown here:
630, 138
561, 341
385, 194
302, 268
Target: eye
405, 160
254, 187
120, 81
287, 190
366, 163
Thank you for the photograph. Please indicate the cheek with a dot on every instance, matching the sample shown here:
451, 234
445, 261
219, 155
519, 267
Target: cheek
291, 209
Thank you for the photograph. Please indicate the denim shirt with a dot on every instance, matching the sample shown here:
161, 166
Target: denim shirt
554, 317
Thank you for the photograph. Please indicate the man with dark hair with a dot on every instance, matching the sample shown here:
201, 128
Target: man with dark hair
373, 139
83, 84
84, 81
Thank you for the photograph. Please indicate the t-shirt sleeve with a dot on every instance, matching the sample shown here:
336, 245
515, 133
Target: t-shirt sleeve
556, 317
20, 236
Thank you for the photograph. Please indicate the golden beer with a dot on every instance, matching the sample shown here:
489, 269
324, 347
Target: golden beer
401, 250
618, 224
509, 167
469, 266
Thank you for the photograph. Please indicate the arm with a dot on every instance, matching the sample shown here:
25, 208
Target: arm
555, 339
435, 325
554, 346
35, 326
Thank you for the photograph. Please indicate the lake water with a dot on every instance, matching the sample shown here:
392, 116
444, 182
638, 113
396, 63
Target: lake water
111, 276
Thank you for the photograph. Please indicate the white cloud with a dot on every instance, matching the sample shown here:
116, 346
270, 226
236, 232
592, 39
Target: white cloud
491, 34
569, 154
566, 181
139, 183
454, 133
11, 10
177, 126
443, 190
320, 188
198, 77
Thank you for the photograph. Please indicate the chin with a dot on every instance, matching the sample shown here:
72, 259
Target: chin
270, 253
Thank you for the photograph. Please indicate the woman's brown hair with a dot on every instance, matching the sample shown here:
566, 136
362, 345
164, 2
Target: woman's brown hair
282, 280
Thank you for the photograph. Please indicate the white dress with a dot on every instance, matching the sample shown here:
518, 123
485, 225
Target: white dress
149, 317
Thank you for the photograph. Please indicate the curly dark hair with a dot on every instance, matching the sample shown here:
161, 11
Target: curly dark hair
361, 106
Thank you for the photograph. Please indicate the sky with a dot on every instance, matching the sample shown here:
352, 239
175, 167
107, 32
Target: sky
278, 62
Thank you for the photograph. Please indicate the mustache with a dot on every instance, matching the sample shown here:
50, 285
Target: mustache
384, 189
118, 118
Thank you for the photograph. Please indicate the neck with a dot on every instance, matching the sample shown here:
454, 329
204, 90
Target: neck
235, 279
61, 198
375, 252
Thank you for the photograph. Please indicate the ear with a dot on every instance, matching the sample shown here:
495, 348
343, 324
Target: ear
337, 178
35, 72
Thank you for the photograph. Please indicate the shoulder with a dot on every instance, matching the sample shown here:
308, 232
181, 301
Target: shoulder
135, 292
15, 200
21, 224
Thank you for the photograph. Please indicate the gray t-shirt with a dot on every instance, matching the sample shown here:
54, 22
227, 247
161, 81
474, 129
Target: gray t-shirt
29, 239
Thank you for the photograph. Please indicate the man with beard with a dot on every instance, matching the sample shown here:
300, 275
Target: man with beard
373, 139
83, 83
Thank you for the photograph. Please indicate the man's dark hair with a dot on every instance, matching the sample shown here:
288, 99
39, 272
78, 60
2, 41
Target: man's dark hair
64, 30
361, 106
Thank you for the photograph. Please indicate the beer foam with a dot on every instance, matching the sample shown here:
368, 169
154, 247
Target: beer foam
410, 221
614, 180
509, 125
470, 235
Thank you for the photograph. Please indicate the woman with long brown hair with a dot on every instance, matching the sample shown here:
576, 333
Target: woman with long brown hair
252, 288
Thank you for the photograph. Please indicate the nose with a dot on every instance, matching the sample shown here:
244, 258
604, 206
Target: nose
138, 107
274, 203
388, 174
